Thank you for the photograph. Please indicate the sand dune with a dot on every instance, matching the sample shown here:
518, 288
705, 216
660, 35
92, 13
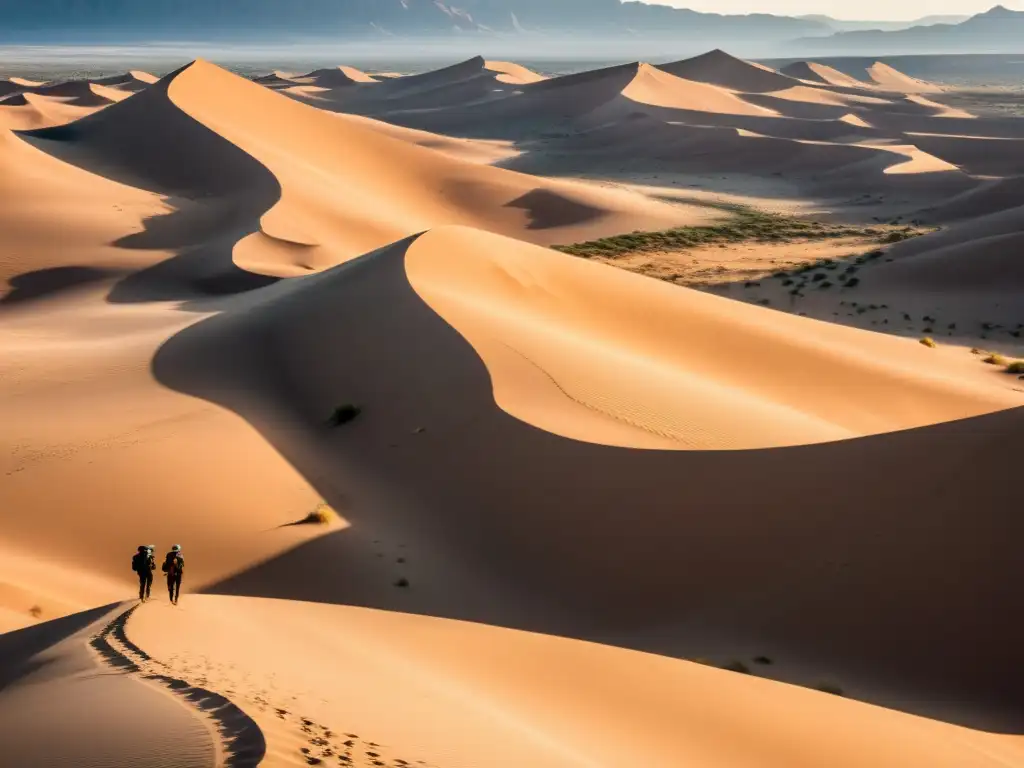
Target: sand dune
820, 73
427, 692
28, 111
81, 93
643, 144
891, 79
197, 272
510, 72
556, 121
939, 110
276, 79
988, 198
977, 255
7, 88
677, 406
335, 77
719, 68
96, 713
204, 130
658, 89
540, 362
978, 156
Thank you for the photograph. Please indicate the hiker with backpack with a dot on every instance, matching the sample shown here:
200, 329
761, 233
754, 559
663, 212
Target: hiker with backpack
174, 566
143, 564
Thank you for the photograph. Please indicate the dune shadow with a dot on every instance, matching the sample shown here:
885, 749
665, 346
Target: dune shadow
53, 280
21, 650
902, 546
547, 209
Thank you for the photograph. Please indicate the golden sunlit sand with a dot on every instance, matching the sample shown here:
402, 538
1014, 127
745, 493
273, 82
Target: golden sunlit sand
456, 485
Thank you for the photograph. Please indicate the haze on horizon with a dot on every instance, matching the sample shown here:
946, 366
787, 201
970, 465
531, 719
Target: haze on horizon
867, 10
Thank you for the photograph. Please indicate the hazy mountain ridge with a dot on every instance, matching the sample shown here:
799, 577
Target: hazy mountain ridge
848, 25
999, 30
205, 19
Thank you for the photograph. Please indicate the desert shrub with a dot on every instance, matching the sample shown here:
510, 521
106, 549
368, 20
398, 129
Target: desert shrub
35, 611
996, 359
1015, 367
899, 236
928, 341
321, 515
343, 414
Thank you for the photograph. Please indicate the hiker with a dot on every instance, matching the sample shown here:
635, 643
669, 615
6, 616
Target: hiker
143, 564
174, 565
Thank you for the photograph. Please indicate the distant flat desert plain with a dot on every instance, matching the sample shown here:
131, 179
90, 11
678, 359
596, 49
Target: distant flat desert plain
650, 415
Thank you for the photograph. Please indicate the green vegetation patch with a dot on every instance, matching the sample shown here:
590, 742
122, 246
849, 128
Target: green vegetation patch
745, 226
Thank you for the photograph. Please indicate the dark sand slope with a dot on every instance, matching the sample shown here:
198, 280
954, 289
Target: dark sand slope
67, 699
675, 551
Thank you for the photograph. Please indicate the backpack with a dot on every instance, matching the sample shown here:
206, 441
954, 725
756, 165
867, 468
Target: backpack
174, 564
139, 562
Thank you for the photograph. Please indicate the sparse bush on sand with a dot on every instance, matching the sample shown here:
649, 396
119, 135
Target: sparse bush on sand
1015, 367
928, 341
321, 515
996, 359
343, 414
35, 611
746, 225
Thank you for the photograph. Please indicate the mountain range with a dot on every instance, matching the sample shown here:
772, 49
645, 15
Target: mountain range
999, 30
115, 20
849, 25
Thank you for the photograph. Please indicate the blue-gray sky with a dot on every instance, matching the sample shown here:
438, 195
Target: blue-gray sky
880, 10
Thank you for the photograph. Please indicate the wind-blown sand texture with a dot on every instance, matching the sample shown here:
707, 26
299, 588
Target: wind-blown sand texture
229, 303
